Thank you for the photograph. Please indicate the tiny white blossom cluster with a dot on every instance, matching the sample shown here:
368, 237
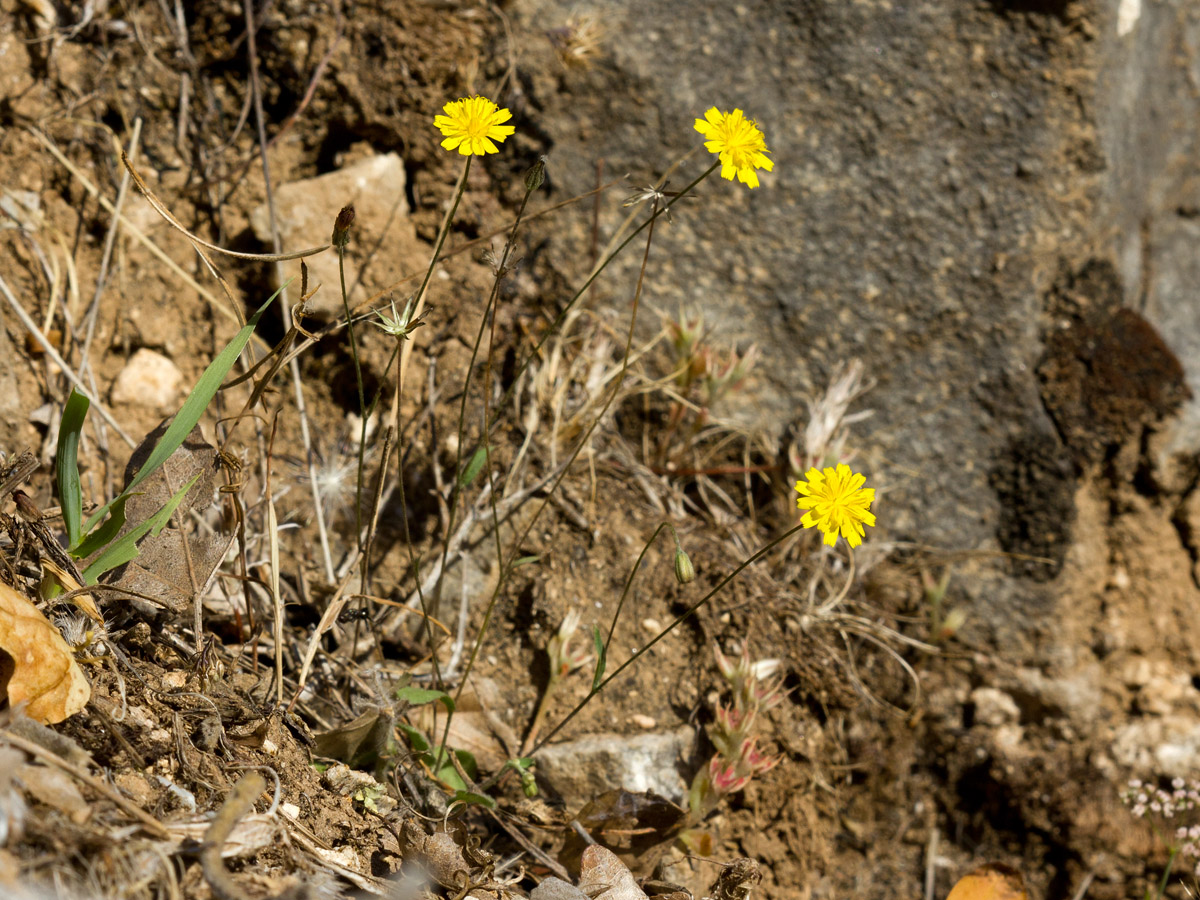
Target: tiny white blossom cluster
1149, 801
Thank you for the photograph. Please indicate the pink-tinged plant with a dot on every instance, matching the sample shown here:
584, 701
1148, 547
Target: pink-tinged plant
724, 776
756, 687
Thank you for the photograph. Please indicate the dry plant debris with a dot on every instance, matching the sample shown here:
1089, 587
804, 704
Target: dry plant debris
39, 670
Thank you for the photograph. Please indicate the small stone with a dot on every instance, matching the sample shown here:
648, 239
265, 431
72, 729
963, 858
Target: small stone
553, 888
651, 626
994, 707
642, 721
149, 379
592, 764
307, 211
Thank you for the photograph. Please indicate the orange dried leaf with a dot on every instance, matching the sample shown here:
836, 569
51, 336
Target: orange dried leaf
992, 881
39, 669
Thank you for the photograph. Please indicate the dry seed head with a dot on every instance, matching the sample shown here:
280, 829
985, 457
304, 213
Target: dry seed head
577, 42
341, 226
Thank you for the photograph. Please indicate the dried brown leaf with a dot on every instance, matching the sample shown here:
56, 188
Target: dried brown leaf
55, 788
36, 665
84, 602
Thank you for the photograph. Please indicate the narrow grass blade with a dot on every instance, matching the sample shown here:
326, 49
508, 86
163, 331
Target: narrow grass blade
474, 799
193, 408
474, 467
125, 549
66, 464
106, 531
601, 658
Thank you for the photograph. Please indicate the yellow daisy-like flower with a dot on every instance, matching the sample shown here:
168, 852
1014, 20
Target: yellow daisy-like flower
471, 124
738, 144
837, 503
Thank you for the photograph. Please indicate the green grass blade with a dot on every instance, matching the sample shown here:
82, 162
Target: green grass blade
193, 408
474, 467
66, 464
99, 537
601, 658
125, 549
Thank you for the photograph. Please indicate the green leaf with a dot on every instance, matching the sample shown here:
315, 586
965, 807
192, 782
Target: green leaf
466, 759
474, 467
447, 774
525, 560
105, 531
192, 410
416, 740
66, 464
474, 799
601, 658
418, 696
125, 549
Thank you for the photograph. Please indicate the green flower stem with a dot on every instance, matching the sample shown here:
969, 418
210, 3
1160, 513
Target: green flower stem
687, 614
554, 326
457, 488
629, 581
420, 305
505, 569
1162, 886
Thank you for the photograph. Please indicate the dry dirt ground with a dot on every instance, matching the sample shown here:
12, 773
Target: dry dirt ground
910, 750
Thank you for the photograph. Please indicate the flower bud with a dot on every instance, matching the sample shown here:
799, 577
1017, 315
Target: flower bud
341, 226
536, 175
685, 572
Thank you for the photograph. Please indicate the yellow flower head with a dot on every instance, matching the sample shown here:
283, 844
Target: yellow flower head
837, 503
738, 144
471, 124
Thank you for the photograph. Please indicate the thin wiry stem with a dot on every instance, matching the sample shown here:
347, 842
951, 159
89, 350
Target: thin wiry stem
687, 614
506, 568
501, 268
447, 220
297, 384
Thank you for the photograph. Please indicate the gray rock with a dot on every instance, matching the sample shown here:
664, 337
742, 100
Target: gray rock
587, 767
942, 173
553, 888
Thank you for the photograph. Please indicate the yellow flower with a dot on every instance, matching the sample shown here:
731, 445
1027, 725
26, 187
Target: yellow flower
837, 503
738, 144
471, 124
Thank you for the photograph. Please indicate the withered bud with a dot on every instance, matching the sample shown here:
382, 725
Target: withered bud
536, 175
341, 226
26, 508
685, 572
